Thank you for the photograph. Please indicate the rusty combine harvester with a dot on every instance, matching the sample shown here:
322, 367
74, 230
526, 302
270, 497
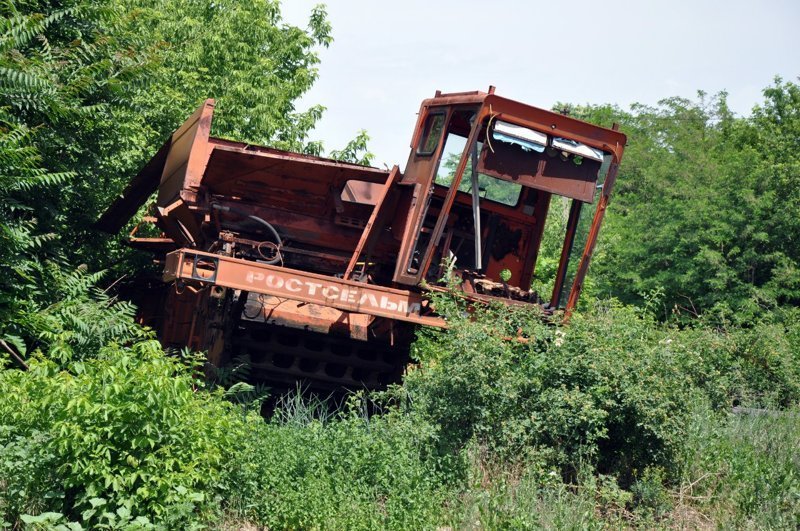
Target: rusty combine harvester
313, 268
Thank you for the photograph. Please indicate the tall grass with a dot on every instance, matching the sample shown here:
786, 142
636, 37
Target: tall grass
743, 471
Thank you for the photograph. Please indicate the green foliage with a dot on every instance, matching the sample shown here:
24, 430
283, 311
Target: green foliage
21, 174
605, 391
351, 471
757, 363
61, 62
555, 229
63, 68
523, 499
705, 205
743, 471
613, 390
66, 316
240, 53
355, 151
60, 71
613, 420
126, 435
88, 91
649, 494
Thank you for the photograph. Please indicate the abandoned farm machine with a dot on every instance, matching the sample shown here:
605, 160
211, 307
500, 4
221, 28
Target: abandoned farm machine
313, 268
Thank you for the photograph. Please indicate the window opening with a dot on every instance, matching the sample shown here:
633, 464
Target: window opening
451, 153
490, 188
431, 134
459, 125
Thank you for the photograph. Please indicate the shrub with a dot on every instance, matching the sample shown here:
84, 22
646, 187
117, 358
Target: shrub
66, 315
500, 410
125, 435
607, 390
753, 364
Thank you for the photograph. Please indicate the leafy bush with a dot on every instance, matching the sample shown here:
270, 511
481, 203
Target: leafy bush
483, 433
124, 435
65, 315
768, 356
678, 223
605, 391
754, 364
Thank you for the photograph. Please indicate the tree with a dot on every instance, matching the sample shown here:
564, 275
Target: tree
240, 53
705, 205
62, 65
356, 151
88, 92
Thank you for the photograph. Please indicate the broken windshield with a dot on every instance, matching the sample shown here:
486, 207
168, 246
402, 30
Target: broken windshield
530, 140
504, 192
523, 156
527, 139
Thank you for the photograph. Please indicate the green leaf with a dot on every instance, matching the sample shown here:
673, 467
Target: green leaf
97, 502
18, 343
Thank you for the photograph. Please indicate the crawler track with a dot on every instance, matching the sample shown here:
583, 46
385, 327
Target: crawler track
282, 357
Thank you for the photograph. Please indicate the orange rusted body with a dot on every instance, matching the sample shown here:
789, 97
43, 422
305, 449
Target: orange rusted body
266, 248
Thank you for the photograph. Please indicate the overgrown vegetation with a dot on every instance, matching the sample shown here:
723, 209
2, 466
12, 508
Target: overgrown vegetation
622, 418
717, 197
614, 420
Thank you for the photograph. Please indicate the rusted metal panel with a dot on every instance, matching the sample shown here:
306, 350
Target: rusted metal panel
135, 195
279, 154
379, 202
162, 245
230, 166
347, 295
362, 192
540, 171
316, 228
300, 315
189, 151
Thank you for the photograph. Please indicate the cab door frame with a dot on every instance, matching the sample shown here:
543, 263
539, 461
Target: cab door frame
423, 194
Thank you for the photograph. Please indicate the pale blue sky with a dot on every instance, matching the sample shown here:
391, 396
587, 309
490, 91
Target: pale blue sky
388, 56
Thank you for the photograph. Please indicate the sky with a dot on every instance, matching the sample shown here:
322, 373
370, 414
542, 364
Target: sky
388, 56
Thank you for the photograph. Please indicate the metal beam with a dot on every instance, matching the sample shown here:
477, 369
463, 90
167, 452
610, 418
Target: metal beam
347, 295
371, 221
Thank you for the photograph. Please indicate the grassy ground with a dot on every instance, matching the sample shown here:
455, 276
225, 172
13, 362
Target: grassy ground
739, 472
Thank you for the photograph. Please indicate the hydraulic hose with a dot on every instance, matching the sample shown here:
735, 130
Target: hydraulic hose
265, 223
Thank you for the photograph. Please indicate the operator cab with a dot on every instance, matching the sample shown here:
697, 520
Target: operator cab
490, 176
